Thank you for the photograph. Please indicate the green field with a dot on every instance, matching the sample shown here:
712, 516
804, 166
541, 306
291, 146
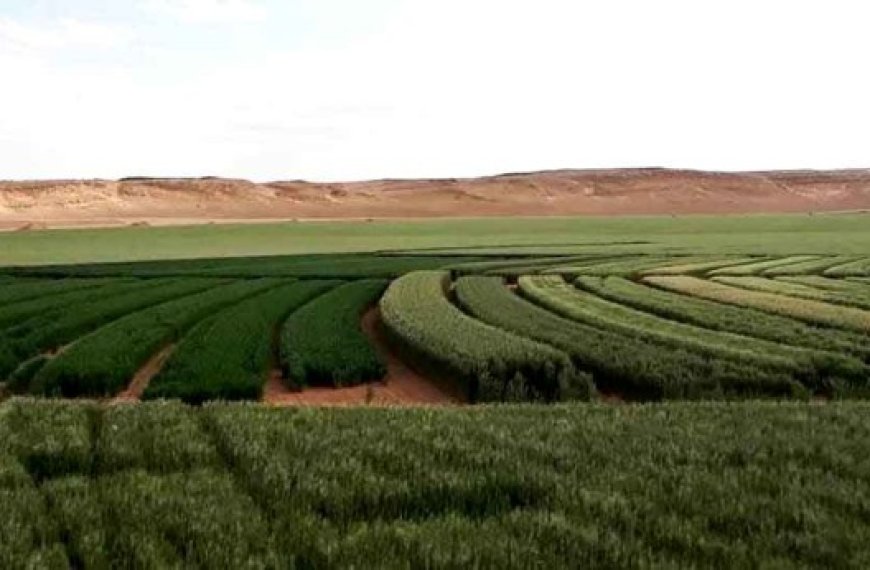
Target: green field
636, 393
227, 486
759, 234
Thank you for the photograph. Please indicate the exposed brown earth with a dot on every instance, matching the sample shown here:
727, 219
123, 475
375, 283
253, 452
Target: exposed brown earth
402, 386
143, 376
39, 204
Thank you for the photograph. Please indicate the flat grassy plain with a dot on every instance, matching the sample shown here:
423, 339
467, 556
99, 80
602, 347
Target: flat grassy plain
757, 234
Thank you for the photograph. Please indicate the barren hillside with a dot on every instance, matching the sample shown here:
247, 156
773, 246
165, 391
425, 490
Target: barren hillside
58, 203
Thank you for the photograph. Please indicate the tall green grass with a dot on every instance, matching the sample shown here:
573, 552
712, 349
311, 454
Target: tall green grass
228, 356
322, 343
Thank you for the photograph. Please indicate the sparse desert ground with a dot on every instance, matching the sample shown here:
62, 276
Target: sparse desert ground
145, 201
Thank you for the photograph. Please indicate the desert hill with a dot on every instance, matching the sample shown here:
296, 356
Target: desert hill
59, 203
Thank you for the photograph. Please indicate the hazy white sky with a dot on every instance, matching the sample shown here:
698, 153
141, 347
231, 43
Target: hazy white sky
349, 89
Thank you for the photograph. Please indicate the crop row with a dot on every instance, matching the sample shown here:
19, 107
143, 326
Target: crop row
329, 266
812, 266
228, 486
625, 363
815, 312
762, 266
724, 317
678, 267
321, 343
857, 268
850, 291
55, 327
228, 355
516, 264
490, 363
13, 313
625, 265
782, 286
102, 362
814, 368
14, 290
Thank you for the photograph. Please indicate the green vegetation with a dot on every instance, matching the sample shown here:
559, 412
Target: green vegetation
857, 268
103, 362
847, 290
625, 364
719, 316
812, 367
793, 289
16, 312
228, 356
322, 344
813, 266
763, 266
696, 267
489, 363
815, 312
758, 234
53, 328
623, 266
338, 266
15, 290
234, 486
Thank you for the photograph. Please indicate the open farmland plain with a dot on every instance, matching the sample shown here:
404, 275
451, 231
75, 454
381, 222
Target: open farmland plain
673, 392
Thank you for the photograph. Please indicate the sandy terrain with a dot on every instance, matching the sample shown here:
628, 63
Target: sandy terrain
401, 385
42, 204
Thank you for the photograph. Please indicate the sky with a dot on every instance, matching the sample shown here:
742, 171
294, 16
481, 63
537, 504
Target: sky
353, 89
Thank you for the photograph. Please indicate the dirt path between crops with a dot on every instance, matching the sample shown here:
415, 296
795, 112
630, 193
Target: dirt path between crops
402, 386
143, 376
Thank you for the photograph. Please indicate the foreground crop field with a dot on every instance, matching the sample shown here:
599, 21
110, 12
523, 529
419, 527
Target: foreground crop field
162, 485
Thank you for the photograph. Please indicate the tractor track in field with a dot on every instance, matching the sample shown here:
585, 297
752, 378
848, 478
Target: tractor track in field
402, 386
133, 392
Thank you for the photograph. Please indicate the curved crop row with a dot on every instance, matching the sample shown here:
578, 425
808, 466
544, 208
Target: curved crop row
621, 266
54, 329
511, 264
758, 267
794, 289
724, 317
227, 356
14, 290
491, 364
321, 343
849, 292
810, 267
102, 362
803, 309
619, 362
691, 267
580, 305
13, 314
857, 268
811, 367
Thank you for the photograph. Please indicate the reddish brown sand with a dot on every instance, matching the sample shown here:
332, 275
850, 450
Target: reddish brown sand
143, 376
402, 386
31, 206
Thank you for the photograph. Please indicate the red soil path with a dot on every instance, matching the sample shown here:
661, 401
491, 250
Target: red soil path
402, 386
143, 376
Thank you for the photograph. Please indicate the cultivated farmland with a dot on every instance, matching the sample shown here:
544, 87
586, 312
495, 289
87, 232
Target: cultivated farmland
626, 402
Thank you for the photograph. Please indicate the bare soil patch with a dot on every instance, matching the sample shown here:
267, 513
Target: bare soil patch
143, 376
402, 385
